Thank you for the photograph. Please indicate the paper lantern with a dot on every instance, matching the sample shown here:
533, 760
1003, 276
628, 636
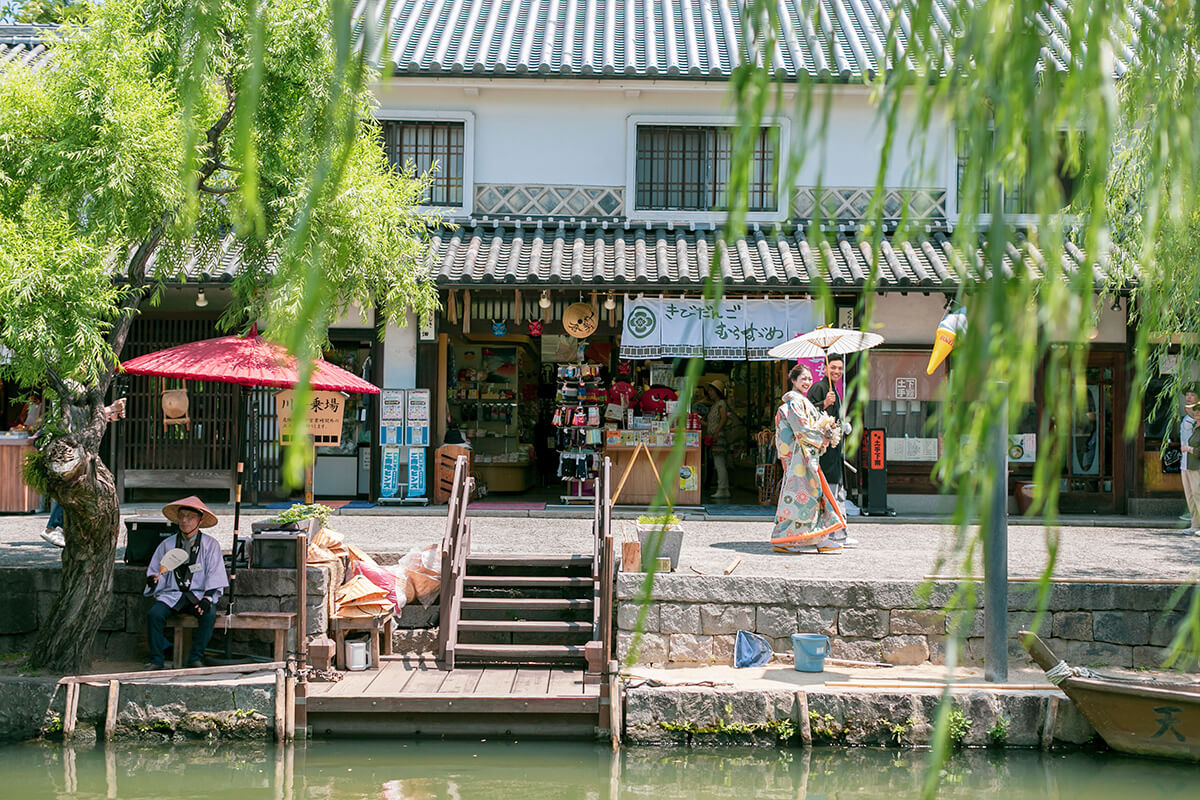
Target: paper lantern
175, 408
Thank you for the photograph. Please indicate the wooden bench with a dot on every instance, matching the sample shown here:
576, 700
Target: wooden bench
377, 628
280, 622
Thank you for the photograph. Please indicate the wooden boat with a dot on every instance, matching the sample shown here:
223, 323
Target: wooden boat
1140, 717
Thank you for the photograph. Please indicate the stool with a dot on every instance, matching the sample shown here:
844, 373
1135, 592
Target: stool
278, 622
377, 628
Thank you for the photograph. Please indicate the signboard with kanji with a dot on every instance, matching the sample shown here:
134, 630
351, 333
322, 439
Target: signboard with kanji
325, 411
389, 471
416, 472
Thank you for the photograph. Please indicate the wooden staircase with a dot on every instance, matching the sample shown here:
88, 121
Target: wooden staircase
520, 609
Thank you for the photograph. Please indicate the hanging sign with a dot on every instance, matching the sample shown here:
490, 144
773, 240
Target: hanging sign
580, 320
427, 328
389, 471
416, 415
416, 472
325, 411
737, 330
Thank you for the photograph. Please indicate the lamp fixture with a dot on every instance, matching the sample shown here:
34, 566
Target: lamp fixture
1116, 303
201, 300
544, 302
610, 302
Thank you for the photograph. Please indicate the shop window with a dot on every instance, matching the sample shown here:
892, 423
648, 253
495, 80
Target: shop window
1015, 197
904, 401
429, 146
686, 168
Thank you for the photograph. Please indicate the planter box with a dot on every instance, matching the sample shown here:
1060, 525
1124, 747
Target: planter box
663, 542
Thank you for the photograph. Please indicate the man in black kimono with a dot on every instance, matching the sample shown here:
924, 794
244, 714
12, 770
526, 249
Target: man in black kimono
824, 396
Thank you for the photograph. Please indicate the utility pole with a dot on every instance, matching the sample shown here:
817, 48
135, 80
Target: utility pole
995, 552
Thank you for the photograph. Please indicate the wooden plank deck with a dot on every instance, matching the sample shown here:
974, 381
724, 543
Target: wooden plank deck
411, 695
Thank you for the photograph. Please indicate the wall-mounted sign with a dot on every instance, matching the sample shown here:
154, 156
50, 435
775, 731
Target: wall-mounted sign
391, 405
325, 411
906, 388
427, 328
736, 330
389, 471
416, 415
416, 472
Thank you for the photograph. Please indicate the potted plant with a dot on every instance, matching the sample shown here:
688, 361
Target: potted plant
661, 535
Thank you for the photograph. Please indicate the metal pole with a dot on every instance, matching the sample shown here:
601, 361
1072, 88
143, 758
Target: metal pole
995, 552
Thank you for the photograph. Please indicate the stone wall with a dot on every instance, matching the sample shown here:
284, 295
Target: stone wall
821, 716
694, 619
27, 595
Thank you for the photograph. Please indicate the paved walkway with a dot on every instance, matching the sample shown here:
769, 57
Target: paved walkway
888, 549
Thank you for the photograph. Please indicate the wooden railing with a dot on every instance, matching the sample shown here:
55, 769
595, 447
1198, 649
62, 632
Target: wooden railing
603, 566
456, 546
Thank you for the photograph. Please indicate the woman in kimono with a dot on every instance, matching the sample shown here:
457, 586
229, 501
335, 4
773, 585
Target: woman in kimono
808, 519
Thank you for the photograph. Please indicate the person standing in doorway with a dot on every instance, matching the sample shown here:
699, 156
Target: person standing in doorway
715, 423
1189, 444
193, 586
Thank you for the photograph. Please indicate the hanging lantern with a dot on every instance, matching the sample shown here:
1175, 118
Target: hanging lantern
175, 408
580, 320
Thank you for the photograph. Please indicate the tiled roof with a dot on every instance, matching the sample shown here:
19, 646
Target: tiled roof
22, 44
683, 39
503, 254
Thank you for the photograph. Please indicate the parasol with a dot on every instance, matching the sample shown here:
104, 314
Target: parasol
824, 341
246, 361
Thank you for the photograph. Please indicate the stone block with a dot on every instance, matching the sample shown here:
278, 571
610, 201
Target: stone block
691, 648
650, 706
855, 649
862, 622
723, 648
1163, 628
834, 594
415, 615
965, 655
318, 618
16, 616
927, 621
277, 582
1072, 625
1098, 654
136, 608
904, 649
817, 620
1121, 627
894, 594
1070, 726
1142, 597
715, 619
965, 623
44, 604
259, 603
1152, 657
678, 618
627, 615
129, 580
47, 579
775, 621
652, 648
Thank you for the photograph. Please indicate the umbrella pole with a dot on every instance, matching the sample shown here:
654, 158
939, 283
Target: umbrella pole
237, 518
308, 475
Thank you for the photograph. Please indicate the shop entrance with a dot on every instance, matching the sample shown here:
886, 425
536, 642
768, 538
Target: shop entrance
1094, 475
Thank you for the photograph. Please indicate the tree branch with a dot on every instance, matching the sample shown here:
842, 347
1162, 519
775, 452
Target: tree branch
218, 190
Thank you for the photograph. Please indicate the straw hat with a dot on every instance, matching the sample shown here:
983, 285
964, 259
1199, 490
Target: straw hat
207, 518
717, 383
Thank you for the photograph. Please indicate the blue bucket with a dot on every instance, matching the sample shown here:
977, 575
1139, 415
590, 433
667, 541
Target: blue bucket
810, 650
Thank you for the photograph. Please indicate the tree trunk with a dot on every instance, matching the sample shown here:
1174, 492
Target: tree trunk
83, 485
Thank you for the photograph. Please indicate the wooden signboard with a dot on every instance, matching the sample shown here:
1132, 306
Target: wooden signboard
325, 411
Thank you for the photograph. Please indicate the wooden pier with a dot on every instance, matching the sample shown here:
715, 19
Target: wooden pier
525, 647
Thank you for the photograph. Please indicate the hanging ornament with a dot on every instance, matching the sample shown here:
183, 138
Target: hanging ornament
624, 368
499, 327
535, 327
580, 320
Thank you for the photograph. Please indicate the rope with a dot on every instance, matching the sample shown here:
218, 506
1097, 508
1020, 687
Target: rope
1059, 673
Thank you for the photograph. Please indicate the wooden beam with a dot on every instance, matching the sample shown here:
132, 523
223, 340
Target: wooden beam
142, 676
110, 712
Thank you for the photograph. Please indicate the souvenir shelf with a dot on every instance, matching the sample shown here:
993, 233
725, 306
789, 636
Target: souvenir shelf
579, 422
486, 405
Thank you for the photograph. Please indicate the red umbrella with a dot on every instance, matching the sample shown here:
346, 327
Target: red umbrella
246, 361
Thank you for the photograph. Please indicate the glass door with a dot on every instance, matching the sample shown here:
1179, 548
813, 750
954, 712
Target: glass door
1093, 476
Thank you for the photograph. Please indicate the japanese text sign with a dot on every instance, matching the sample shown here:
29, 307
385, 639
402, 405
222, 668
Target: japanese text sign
325, 412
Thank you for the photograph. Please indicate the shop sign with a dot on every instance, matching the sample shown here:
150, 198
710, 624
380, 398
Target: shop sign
391, 405
1022, 448
416, 472
416, 415
738, 329
325, 411
389, 471
427, 328
906, 388
876, 449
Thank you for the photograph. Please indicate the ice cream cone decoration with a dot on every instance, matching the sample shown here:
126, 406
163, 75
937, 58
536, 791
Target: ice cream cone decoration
948, 331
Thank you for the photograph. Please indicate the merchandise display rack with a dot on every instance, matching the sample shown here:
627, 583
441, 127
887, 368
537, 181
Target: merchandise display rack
579, 422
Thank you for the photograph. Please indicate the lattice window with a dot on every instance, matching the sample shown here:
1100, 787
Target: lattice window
429, 146
1014, 196
686, 168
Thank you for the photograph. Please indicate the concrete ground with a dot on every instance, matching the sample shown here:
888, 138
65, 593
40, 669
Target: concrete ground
889, 549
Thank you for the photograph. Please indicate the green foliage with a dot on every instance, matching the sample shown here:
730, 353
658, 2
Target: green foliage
782, 729
47, 12
54, 727
659, 520
825, 728
898, 730
998, 733
302, 511
958, 726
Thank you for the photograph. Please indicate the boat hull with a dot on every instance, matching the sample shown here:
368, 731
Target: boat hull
1139, 719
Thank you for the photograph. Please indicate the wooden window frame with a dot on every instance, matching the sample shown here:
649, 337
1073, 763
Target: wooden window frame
439, 201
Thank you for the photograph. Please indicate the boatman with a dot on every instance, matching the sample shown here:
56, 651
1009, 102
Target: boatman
185, 576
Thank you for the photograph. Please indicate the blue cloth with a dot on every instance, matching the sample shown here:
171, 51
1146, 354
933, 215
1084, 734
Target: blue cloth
750, 650
209, 580
56, 516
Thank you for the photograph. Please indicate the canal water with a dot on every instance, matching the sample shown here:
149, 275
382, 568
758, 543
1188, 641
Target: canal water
529, 770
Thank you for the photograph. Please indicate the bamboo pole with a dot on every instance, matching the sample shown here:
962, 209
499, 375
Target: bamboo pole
289, 732
110, 712
69, 712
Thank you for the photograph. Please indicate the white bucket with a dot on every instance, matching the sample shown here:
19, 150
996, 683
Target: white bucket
356, 656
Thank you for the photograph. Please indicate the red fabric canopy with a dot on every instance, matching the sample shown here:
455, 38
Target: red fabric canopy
245, 360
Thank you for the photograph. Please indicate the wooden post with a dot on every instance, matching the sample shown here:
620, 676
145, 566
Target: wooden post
299, 700
69, 712
110, 713
289, 730
308, 476
280, 704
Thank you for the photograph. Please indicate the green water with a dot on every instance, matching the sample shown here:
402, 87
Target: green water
527, 770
